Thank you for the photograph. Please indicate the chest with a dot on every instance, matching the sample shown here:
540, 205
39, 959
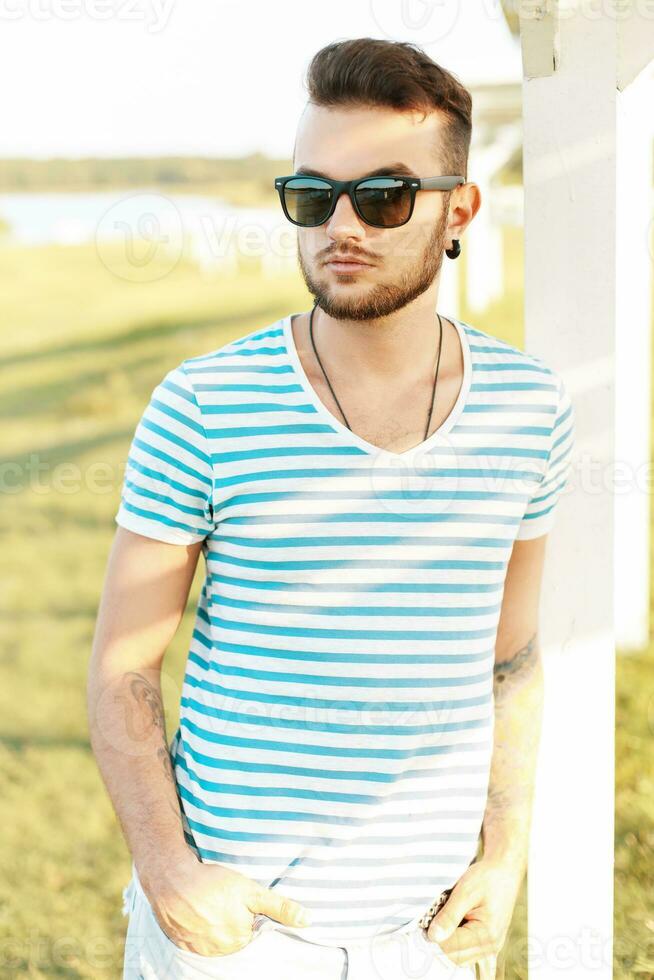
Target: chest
391, 417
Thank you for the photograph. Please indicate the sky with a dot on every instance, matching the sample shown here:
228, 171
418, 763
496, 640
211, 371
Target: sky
207, 77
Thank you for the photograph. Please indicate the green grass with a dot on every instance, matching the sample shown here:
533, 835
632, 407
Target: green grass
80, 351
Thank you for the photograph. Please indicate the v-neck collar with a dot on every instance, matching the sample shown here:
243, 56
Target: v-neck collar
341, 428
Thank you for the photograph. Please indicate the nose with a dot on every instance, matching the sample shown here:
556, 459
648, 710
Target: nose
345, 222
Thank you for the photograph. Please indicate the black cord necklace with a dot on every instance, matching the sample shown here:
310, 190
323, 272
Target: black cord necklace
438, 361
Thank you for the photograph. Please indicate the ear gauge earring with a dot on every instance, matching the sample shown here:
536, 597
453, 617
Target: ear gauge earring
455, 251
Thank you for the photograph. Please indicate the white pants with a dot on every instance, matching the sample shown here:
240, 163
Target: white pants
404, 954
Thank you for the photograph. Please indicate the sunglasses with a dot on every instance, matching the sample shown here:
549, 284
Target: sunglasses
383, 202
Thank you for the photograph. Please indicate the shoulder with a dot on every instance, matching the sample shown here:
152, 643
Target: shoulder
491, 348
505, 365
267, 340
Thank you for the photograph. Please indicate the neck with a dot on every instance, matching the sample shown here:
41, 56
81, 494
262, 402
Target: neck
397, 347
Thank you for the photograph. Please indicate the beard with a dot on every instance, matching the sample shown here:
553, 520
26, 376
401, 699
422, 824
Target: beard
383, 298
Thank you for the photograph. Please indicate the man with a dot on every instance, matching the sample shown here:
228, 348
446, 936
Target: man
371, 485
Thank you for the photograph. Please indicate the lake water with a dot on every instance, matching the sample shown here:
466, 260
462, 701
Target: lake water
215, 230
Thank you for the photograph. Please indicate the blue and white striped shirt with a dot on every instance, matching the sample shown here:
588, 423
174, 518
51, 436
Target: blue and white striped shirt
336, 719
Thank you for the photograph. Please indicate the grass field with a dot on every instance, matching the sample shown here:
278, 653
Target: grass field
80, 351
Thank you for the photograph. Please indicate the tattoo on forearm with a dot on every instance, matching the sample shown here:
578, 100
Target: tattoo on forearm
144, 721
518, 667
518, 706
164, 755
501, 798
146, 694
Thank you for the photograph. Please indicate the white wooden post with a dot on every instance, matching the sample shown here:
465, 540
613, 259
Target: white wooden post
569, 106
633, 363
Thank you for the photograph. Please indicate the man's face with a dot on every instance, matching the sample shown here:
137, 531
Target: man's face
349, 143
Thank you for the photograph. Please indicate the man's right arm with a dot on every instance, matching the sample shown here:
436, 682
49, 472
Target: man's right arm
145, 592
205, 908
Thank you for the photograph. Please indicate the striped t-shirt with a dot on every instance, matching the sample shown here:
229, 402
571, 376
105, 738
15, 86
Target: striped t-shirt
336, 718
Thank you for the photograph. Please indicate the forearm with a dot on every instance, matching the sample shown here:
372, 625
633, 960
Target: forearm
518, 692
128, 738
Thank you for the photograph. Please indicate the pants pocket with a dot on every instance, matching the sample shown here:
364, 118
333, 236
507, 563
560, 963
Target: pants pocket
184, 962
129, 897
450, 968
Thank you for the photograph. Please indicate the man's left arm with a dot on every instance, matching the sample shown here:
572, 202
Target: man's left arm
476, 918
518, 695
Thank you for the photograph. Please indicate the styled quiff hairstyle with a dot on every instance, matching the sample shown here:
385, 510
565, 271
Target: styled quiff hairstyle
367, 71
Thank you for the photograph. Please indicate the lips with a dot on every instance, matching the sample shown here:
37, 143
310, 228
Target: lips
346, 260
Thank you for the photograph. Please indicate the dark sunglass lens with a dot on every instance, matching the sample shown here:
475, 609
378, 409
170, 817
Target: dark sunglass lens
384, 201
307, 200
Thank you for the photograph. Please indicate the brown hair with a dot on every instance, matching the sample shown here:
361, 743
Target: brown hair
398, 74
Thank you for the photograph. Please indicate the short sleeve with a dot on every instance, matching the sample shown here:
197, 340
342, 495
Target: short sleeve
539, 515
167, 491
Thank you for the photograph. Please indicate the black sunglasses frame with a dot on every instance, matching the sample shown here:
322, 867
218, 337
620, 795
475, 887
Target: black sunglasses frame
444, 183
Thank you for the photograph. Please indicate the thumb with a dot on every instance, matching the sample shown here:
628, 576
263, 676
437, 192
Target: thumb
278, 907
450, 916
